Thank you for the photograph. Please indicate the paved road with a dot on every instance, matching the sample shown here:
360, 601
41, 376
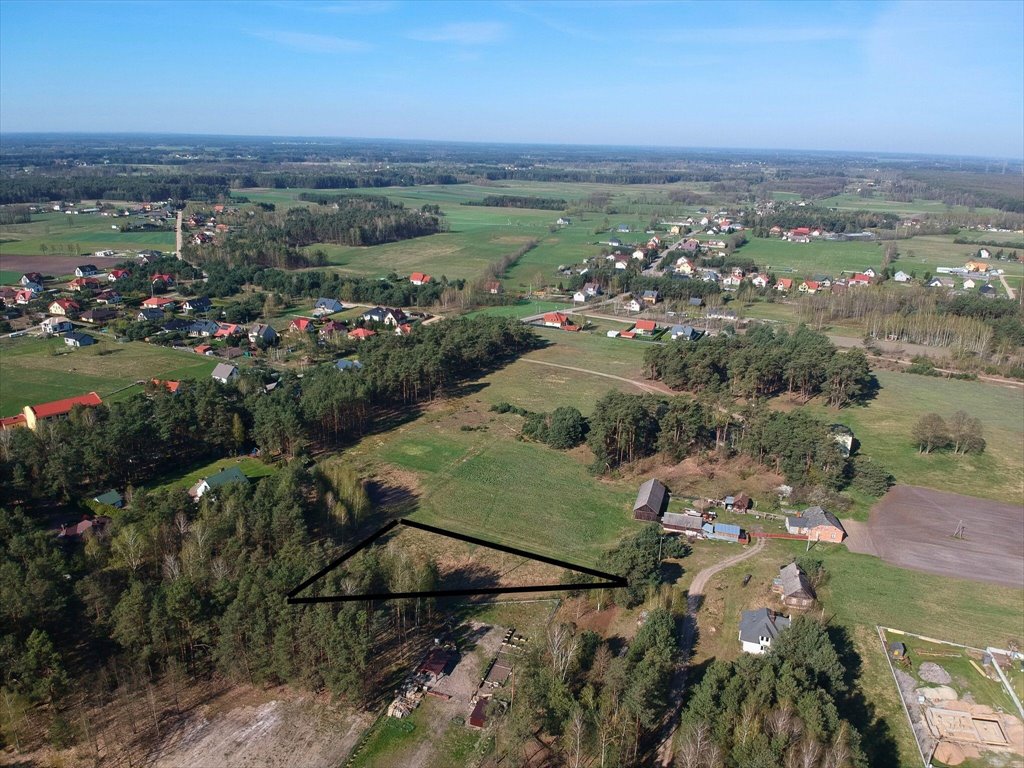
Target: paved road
659, 389
694, 598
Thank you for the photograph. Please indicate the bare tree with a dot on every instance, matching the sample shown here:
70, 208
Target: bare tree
575, 734
563, 643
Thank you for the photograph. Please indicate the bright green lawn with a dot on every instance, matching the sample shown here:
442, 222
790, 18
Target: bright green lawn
852, 202
885, 424
808, 259
39, 370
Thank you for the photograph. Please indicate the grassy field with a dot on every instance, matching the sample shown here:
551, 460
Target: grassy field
852, 202
393, 743
40, 370
53, 232
885, 424
806, 259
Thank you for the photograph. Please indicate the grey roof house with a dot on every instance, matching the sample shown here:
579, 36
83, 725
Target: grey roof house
224, 373
759, 628
650, 500
794, 588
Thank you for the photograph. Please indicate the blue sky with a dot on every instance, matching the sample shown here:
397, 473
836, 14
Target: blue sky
935, 77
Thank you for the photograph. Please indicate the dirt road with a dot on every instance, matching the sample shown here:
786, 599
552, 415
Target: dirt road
694, 599
1006, 286
177, 234
659, 389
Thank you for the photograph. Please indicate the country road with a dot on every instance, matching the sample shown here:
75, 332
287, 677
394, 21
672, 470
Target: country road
178, 240
659, 389
1006, 286
694, 598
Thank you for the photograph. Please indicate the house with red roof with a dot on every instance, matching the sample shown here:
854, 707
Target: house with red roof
24, 296
645, 327
84, 283
493, 287
301, 325
859, 279
810, 286
403, 330
118, 274
158, 302
330, 328
784, 284
224, 330
166, 280
203, 349
170, 386
359, 334
64, 307
109, 297
559, 320
34, 415
419, 278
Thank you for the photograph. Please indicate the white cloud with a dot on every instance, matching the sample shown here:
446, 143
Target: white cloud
310, 43
462, 33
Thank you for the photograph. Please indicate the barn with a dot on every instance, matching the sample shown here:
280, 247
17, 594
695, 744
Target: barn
794, 588
650, 501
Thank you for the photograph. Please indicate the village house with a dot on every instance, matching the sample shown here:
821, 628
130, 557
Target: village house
810, 286
689, 523
685, 332
54, 325
348, 365
559, 320
580, 297
203, 349
262, 332
403, 330
941, 282
759, 628
330, 328
32, 278
816, 525
198, 304
158, 302
645, 327
684, 266
224, 373
166, 281
738, 503
493, 287
78, 339
218, 480
301, 325
64, 307
632, 305
793, 587
861, 278
327, 306
784, 284
99, 315
718, 313
118, 274
650, 500
419, 278
34, 415
902, 277
149, 314
988, 291
760, 280
110, 499
563, 221
108, 297
361, 334
969, 284
86, 270
731, 282
202, 329
84, 283
650, 297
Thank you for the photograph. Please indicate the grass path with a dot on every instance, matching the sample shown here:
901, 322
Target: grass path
658, 389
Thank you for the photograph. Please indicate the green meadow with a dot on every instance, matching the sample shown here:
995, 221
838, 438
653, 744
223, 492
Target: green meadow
53, 232
39, 370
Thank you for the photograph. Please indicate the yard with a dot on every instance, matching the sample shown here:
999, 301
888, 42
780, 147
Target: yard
39, 370
252, 468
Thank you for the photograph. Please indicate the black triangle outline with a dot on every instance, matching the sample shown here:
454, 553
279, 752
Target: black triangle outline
610, 580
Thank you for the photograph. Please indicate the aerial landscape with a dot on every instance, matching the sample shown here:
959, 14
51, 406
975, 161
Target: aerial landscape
542, 384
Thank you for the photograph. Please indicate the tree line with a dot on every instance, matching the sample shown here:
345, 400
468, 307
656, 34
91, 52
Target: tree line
358, 220
516, 201
817, 217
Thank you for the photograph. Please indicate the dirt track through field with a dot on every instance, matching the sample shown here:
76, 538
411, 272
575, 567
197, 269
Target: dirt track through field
914, 528
659, 389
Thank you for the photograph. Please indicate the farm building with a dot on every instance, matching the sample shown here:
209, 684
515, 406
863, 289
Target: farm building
689, 523
817, 525
738, 503
650, 500
725, 532
110, 499
78, 339
33, 415
437, 663
793, 586
758, 628
478, 718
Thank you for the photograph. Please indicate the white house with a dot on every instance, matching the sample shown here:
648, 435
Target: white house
579, 297
758, 628
902, 277
224, 373
870, 272
639, 255
968, 284
632, 305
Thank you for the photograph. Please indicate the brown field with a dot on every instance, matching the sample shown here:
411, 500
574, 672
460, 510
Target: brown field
913, 528
54, 266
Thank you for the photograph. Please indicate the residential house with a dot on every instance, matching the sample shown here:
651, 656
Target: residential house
327, 306
731, 282
170, 386
692, 245
218, 480
158, 302
54, 325
110, 499
621, 262
810, 286
579, 297
645, 327
984, 253
775, 231
95, 526
301, 325
198, 304
861, 278
718, 313
632, 305
988, 291
759, 628
348, 365
684, 266
203, 329
614, 242
419, 278
78, 339
689, 523
31, 278
394, 317
64, 307
902, 277
969, 284
330, 328
7, 295
685, 332
784, 284
760, 280
99, 315
225, 373
794, 588
86, 270
559, 320
149, 314
227, 330
738, 503
650, 297
108, 297
639, 254
493, 287
203, 349
361, 334
375, 315
592, 289
167, 281
650, 500
118, 274
563, 221
622, 229
816, 525
261, 332
695, 301
83, 284
941, 282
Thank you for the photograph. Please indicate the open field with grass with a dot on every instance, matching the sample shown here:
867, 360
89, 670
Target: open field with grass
853, 202
884, 428
828, 257
56, 232
39, 370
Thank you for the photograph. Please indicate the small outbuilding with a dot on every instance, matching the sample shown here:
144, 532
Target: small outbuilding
897, 650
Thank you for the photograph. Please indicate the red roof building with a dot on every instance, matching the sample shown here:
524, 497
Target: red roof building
645, 327
63, 307
801, 231
170, 386
158, 302
419, 278
301, 324
165, 279
33, 415
361, 333
117, 274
